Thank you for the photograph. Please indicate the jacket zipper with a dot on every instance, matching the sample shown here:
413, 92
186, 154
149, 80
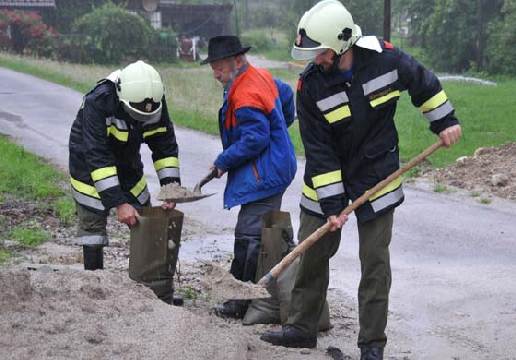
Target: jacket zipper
255, 171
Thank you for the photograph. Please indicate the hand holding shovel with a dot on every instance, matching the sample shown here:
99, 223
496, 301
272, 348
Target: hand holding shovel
269, 278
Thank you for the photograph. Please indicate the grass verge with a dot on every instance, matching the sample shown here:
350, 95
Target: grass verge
4, 256
26, 179
29, 235
487, 113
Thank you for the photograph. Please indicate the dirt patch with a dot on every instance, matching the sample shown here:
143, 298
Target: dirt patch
222, 286
59, 312
489, 171
14, 212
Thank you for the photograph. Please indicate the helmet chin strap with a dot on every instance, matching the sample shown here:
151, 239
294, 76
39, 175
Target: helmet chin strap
336, 62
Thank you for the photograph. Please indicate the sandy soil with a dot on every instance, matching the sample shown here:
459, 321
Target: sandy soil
52, 309
490, 171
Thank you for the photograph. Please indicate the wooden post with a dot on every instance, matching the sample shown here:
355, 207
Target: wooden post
387, 20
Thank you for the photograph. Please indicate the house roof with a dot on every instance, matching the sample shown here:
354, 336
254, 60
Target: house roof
27, 3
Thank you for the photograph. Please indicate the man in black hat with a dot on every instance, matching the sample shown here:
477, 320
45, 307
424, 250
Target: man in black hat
257, 152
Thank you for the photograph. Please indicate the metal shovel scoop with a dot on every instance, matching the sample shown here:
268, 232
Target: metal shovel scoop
175, 193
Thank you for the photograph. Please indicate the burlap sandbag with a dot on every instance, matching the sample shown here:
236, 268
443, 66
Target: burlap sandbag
154, 248
277, 241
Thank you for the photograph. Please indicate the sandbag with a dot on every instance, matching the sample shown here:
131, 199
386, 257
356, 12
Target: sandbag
277, 242
154, 249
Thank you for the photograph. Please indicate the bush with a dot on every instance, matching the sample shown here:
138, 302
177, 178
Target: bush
259, 39
501, 52
163, 46
25, 33
111, 34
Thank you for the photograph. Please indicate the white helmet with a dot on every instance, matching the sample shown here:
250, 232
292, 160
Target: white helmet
327, 25
140, 89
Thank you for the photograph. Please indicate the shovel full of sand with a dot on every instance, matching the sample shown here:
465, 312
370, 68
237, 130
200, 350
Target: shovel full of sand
176, 193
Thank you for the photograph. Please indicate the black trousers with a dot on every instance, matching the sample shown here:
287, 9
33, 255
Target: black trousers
248, 234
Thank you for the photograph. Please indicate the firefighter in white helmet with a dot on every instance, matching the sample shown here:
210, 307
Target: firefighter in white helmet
122, 111
346, 101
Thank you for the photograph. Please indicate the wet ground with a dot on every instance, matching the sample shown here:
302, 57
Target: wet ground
452, 257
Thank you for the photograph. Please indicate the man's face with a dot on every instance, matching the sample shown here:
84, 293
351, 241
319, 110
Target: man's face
224, 70
325, 59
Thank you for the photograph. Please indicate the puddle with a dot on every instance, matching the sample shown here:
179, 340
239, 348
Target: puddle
206, 248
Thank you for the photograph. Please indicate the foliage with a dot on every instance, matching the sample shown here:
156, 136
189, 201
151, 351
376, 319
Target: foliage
501, 52
112, 34
162, 46
67, 11
25, 32
259, 39
456, 33
4, 256
24, 175
30, 235
64, 207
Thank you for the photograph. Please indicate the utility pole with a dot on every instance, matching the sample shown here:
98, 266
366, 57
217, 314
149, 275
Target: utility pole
237, 22
246, 14
387, 20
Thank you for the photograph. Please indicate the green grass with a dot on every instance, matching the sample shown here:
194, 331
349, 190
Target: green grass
188, 293
440, 188
4, 256
64, 207
487, 113
30, 235
24, 175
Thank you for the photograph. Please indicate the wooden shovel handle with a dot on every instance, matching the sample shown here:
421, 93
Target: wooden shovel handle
321, 231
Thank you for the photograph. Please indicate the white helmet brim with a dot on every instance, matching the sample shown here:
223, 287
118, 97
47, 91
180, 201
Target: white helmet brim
150, 117
302, 54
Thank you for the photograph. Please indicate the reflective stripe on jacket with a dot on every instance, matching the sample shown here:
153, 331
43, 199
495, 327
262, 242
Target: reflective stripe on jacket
348, 131
105, 164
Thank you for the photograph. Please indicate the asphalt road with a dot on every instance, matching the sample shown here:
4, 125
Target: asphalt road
454, 260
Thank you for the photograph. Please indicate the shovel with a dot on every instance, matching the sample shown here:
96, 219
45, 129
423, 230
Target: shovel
205, 180
186, 195
300, 249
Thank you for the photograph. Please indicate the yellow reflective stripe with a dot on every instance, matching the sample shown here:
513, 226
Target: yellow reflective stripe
103, 173
310, 193
328, 178
389, 188
139, 187
120, 135
155, 131
166, 162
84, 188
338, 114
385, 98
434, 102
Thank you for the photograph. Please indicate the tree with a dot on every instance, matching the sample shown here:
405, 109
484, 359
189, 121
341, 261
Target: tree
114, 34
501, 52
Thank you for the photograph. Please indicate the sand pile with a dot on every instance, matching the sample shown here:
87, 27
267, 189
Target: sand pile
222, 286
72, 314
175, 191
490, 170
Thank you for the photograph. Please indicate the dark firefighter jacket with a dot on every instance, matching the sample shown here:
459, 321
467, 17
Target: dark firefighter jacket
105, 165
347, 126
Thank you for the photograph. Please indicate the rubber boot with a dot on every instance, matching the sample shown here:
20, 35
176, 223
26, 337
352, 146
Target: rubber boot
93, 257
154, 249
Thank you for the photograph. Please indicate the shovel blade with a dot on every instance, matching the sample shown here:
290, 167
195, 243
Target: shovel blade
188, 198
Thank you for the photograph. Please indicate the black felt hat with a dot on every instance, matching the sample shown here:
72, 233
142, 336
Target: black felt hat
221, 47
